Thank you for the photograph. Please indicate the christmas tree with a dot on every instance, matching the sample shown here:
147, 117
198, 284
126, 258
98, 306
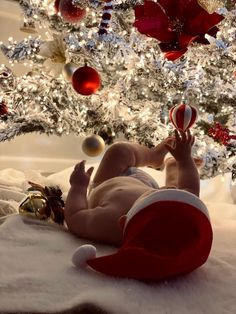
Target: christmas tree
115, 68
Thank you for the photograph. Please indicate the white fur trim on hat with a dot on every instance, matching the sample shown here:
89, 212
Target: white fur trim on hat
167, 195
82, 254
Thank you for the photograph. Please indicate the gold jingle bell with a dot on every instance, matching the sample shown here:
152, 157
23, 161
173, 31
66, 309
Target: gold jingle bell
35, 206
93, 145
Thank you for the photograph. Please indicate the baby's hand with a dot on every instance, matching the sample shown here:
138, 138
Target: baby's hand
79, 176
182, 147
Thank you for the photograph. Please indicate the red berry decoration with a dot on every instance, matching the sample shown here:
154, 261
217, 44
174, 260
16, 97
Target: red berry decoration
56, 5
3, 108
70, 11
86, 80
221, 134
183, 116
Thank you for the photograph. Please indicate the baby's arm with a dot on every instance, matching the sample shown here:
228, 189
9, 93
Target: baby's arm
188, 177
76, 202
77, 196
91, 223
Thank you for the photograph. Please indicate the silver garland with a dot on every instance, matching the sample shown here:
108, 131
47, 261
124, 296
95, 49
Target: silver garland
26, 49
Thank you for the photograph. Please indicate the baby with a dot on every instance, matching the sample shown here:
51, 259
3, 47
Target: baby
101, 214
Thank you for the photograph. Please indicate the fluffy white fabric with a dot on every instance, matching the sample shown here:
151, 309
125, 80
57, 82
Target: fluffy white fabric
37, 275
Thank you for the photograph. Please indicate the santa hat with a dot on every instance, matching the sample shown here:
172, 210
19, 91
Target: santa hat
167, 233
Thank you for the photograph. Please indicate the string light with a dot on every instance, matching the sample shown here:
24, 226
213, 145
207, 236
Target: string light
137, 80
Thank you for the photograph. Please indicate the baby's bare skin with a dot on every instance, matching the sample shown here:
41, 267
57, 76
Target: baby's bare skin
100, 215
116, 195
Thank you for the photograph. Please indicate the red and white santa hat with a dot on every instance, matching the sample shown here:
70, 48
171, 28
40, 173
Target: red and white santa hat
167, 233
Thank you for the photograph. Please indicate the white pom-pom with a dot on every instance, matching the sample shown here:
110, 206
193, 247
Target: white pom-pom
82, 254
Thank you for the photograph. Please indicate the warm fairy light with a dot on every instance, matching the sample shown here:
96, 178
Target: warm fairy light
136, 80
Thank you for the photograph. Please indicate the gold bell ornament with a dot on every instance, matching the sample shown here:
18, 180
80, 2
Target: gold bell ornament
43, 203
93, 145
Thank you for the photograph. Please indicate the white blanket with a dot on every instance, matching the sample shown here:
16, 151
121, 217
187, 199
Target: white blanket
37, 275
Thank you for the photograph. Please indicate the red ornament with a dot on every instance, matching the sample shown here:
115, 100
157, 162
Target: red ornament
71, 12
221, 134
183, 116
56, 5
86, 80
3, 108
176, 24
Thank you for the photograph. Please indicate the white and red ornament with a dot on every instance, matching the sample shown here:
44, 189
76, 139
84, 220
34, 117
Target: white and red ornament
71, 11
183, 116
106, 17
86, 80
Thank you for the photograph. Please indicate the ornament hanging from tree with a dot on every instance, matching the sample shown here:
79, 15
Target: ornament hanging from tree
3, 107
68, 70
56, 5
183, 116
93, 145
86, 80
106, 17
71, 11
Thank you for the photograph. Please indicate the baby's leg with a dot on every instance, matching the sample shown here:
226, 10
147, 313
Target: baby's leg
120, 156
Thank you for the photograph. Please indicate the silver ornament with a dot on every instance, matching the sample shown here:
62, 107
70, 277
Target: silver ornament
68, 71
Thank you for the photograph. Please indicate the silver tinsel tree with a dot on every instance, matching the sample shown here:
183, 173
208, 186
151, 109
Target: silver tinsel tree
139, 85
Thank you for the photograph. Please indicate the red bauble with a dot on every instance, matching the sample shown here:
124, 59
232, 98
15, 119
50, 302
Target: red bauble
56, 5
86, 80
70, 12
183, 116
3, 108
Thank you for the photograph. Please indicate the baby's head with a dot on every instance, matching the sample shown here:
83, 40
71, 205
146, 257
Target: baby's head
166, 233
